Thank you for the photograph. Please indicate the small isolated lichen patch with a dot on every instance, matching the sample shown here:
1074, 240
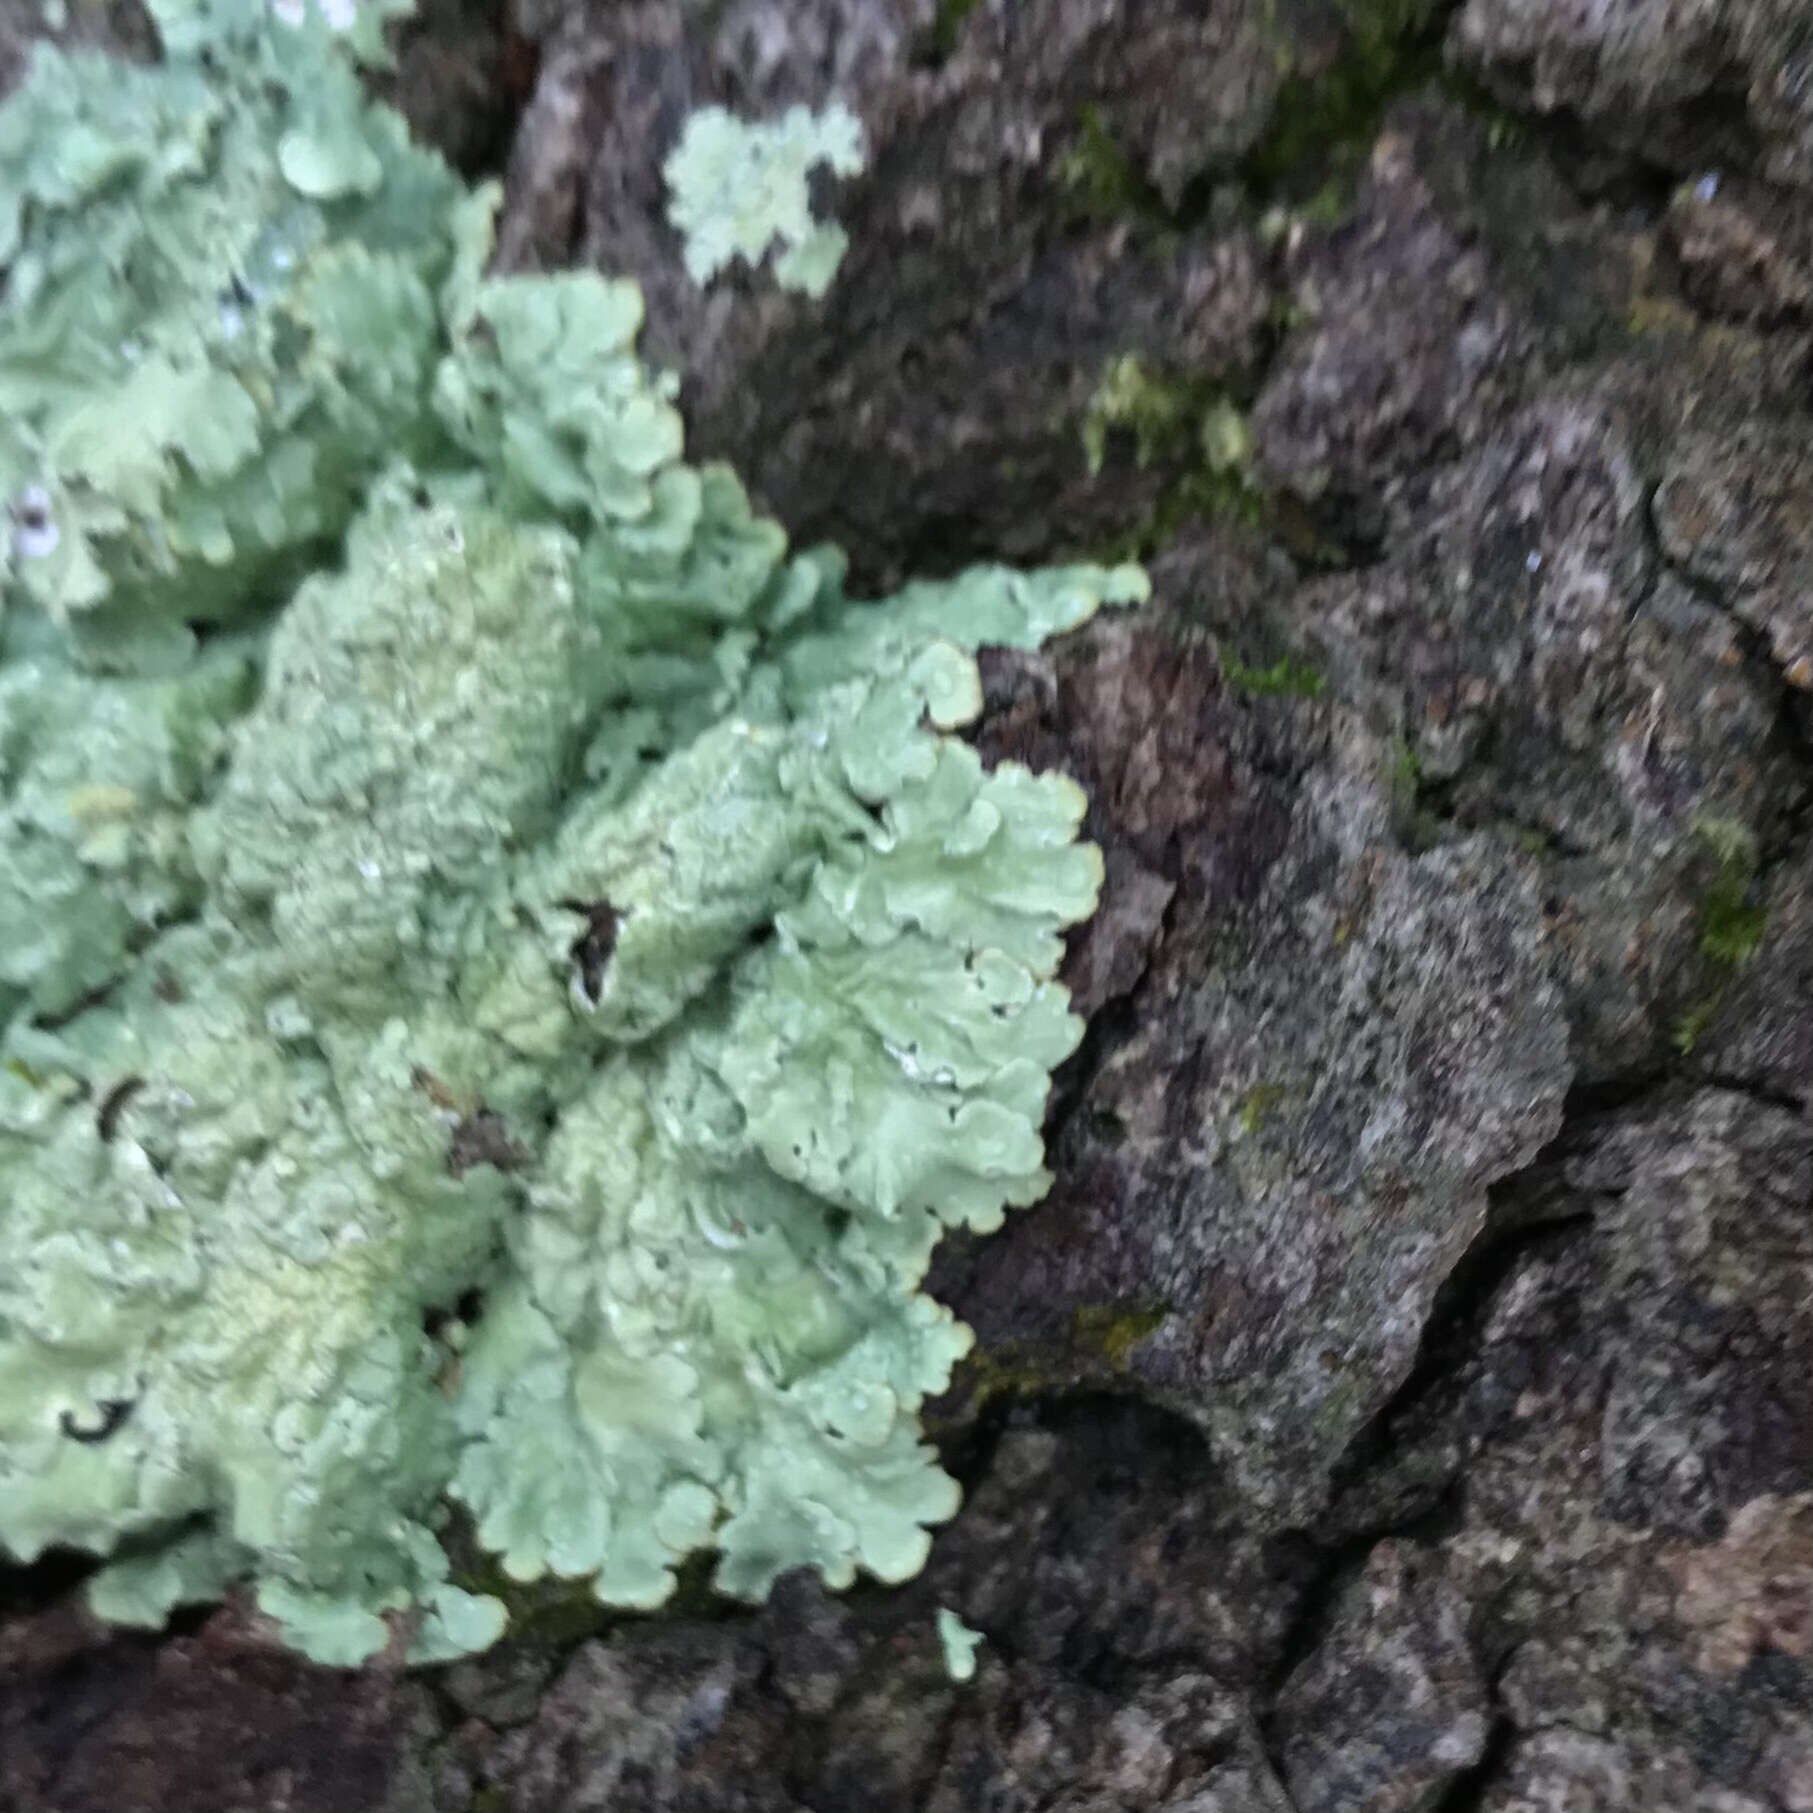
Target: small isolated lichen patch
506, 971
959, 1644
738, 188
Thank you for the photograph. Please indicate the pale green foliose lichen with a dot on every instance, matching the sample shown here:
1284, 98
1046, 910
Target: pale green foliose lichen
737, 187
959, 1643
507, 972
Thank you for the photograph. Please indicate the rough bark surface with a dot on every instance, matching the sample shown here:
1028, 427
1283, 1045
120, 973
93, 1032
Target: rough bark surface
1400, 1403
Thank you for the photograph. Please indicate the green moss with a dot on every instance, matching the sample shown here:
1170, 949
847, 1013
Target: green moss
1329, 204
1731, 922
1227, 497
947, 27
1650, 316
1111, 1331
1155, 410
1504, 132
1257, 1104
1183, 423
1322, 126
556, 1612
1285, 678
1406, 771
1731, 929
1170, 419
1098, 177
1101, 1337
1199, 496
1003, 1370
1691, 1025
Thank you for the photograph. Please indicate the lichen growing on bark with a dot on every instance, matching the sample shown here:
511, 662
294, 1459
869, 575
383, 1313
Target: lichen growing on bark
512, 972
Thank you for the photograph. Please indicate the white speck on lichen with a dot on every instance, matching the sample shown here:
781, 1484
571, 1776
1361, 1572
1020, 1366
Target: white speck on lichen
341, 15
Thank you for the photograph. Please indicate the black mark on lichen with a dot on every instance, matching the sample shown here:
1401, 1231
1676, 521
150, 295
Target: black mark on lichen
482, 1138
480, 1135
466, 1310
113, 1411
591, 950
107, 1113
